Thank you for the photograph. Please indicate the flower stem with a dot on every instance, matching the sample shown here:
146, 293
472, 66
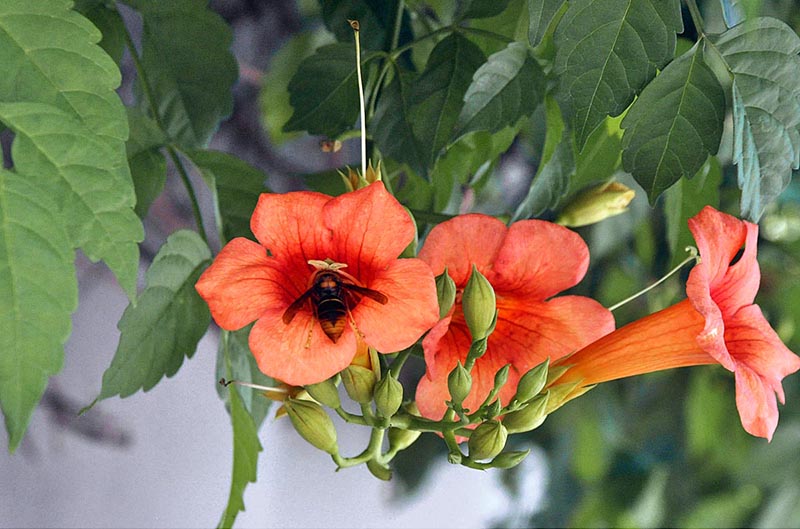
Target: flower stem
147, 90
362, 106
692, 257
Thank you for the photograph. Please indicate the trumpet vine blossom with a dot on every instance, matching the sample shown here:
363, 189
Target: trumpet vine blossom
365, 230
527, 264
717, 324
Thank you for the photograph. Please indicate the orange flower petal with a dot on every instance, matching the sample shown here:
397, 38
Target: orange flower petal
755, 401
530, 333
412, 308
539, 259
371, 228
461, 242
443, 347
299, 353
290, 226
240, 284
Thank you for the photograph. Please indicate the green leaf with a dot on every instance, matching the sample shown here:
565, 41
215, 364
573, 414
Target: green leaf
38, 291
274, 98
109, 22
324, 92
674, 125
607, 51
482, 8
189, 67
600, 157
541, 13
685, 199
761, 55
147, 163
507, 87
53, 54
243, 367
88, 178
391, 125
376, 18
245, 457
237, 186
511, 23
437, 95
167, 321
552, 179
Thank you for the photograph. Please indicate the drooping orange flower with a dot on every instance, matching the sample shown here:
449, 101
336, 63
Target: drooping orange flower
718, 323
527, 264
357, 237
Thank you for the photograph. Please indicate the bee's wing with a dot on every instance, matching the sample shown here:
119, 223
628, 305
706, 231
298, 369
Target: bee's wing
380, 297
288, 316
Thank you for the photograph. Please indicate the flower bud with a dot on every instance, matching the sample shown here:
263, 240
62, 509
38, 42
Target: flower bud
313, 424
596, 204
493, 409
528, 418
459, 383
488, 440
325, 393
501, 377
378, 470
359, 382
479, 305
445, 292
400, 439
510, 459
388, 396
532, 383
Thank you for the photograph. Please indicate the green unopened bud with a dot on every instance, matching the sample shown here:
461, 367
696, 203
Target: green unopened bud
401, 439
445, 292
388, 396
459, 383
326, 393
493, 409
487, 440
359, 382
532, 382
501, 377
379, 471
528, 418
510, 459
479, 305
596, 204
313, 424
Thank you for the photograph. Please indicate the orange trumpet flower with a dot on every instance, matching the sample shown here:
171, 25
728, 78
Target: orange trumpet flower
717, 324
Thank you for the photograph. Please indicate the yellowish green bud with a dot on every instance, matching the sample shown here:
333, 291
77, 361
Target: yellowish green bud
501, 377
388, 396
446, 292
510, 459
379, 471
325, 393
313, 424
533, 382
359, 382
596, 204
488, 440
479, 305
493, 410
459, 383
528, 418
401, 439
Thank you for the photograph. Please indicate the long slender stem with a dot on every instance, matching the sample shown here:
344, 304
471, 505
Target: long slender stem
692, 257
362, 104
149, 96
697, 18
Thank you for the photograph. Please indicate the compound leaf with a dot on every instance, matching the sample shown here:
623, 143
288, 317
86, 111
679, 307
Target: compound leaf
761, 55
167, 321
39, 292
674, 124
607, 51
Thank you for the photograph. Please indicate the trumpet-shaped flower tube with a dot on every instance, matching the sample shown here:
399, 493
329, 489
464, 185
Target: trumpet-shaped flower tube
526, 264
366, 230
717, 324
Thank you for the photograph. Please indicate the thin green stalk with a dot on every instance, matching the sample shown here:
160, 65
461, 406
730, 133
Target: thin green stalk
147, 90
370, 452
